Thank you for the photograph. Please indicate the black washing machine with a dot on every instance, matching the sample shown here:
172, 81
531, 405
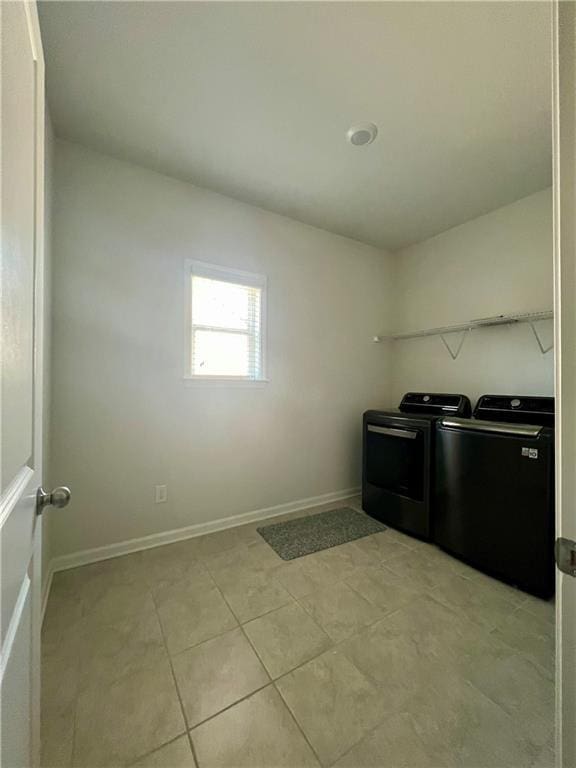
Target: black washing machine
494, 490
397, 466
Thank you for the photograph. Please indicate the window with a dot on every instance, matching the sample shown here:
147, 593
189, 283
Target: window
227, 316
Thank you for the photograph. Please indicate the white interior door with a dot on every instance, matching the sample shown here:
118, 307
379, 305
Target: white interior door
564, 38
22, 160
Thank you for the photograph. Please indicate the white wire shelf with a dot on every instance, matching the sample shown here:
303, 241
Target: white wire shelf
484, 322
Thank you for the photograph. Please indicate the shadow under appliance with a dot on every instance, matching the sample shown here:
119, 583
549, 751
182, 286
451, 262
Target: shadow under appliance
494, 498
398, 449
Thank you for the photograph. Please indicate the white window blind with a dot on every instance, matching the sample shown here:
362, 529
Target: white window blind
226, 329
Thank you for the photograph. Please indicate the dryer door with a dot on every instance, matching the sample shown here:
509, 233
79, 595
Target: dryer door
395, 459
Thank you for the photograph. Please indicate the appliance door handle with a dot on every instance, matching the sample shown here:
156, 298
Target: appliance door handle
502, 428
393, 432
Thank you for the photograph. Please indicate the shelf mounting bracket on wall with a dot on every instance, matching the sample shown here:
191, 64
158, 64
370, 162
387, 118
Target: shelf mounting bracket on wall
456, 351
543, 349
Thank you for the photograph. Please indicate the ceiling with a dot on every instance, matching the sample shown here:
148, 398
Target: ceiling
253, 100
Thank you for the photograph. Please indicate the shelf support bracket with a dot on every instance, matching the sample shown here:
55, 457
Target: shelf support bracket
456, 351
543, 349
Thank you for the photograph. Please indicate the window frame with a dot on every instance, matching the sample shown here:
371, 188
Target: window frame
192, 268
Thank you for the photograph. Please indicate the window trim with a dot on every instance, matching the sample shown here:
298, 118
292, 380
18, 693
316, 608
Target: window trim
192, 267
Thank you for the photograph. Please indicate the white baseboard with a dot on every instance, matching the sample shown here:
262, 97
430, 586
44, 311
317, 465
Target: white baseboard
200, 529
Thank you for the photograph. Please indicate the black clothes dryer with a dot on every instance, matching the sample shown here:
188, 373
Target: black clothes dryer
398, 450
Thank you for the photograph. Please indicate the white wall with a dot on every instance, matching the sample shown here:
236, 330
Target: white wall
124, 420
497, 264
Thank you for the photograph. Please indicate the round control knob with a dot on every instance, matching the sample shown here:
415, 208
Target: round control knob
426, 398
515, 403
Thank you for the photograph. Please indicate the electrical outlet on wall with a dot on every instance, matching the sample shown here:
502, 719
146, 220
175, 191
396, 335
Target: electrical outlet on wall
161, 494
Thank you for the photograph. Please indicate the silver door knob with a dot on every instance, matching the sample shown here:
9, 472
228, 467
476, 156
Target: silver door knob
58, 498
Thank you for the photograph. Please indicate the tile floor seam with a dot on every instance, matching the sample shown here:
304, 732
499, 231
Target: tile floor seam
385, 613
373, 684
241, 623
251, 644
366, 736
357, 631
257, 656
172, 672
193, 749
485, 695
546, 672
246, 636
260, 688
271, 683
187, 729
266, 613
518, 609
297, 724
393, 712
303, 663
201, 642
156, 749
549, 674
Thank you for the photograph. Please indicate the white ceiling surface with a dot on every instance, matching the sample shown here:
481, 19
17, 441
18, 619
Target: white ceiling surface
253, 100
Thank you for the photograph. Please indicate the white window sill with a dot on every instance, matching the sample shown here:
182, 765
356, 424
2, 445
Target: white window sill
223, 381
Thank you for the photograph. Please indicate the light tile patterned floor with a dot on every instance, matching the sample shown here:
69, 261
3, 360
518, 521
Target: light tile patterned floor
215, 653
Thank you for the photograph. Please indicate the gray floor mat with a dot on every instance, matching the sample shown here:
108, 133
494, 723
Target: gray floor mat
304, 535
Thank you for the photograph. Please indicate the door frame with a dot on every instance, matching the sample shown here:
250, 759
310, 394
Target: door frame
564, 225
41, 319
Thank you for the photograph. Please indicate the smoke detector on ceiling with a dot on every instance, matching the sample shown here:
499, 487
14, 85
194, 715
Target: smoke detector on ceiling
362, 134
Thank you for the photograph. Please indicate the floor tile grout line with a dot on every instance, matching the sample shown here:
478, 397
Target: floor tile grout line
230, 706
244, 633
548, 673
520, 607
267, 613
193, 748
303, 663
483, 694
383, 615
240, 624
201, 642
297, 724
175, 680
335, 647
338, 647
272, 683
156, 749
234, 613
377, 686
365, 736
85, 616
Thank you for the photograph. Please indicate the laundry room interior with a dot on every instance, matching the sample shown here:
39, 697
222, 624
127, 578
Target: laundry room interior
300, 405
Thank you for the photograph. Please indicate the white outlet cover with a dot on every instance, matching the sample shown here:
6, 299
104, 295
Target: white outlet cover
161, 494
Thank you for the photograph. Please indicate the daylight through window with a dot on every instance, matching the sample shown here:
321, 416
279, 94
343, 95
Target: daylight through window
226, 338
